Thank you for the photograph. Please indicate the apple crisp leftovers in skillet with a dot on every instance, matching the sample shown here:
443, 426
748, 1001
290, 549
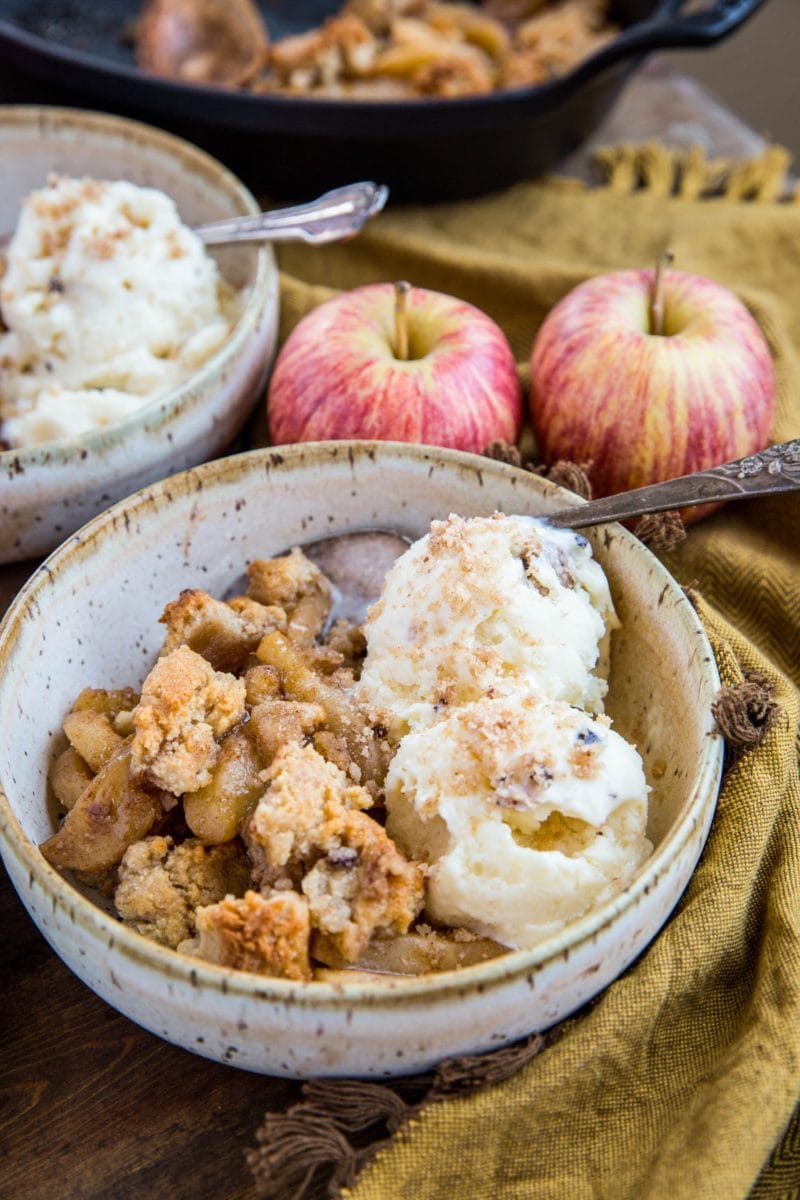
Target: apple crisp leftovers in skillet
375, 49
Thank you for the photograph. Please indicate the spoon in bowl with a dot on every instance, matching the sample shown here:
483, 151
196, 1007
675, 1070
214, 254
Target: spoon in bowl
332, 217
357, 562
776, 469
335, 215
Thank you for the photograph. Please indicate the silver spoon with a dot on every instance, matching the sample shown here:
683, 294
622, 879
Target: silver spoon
331, 217
336, 215
365, 556
357, 562
776, 469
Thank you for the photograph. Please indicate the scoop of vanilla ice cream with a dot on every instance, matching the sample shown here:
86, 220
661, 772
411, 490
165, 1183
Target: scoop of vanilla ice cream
58, 413
529, 812
105, 291
482, 605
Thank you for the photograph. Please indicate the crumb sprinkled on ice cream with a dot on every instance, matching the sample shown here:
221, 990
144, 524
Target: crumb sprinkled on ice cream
484, 605
525, 820
109, 301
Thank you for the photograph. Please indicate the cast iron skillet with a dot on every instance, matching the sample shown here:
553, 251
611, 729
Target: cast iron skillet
74, 51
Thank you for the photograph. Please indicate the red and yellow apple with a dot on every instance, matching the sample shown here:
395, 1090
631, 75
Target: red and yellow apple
396, 363
648, 376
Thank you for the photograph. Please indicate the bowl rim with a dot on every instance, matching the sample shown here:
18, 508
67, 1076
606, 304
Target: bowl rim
33, 117
434, 987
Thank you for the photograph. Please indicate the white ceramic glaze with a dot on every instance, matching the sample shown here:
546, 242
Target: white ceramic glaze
89, 617
48, 491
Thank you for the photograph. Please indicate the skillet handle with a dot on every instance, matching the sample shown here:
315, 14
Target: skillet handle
693, 29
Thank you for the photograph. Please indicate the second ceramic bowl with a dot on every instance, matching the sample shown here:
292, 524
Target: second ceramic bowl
89, 617
47, 491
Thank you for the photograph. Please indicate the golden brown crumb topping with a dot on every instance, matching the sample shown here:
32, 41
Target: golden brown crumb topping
224, 634
267, 934
161, 884
294, 822
362, 885
295, 584
277, 723
186, 706
310, 830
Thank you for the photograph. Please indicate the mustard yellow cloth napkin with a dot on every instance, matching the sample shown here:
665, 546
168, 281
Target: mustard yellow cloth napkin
681, 1080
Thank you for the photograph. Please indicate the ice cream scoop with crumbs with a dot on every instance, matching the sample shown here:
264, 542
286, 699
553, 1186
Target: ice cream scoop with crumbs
108, 301
529, 811
483, 606
485, 660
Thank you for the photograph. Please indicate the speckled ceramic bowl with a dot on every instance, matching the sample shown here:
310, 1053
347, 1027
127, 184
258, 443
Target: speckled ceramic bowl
89, 617
47, 491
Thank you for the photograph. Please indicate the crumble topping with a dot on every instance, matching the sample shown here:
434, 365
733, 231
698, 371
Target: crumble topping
185, 708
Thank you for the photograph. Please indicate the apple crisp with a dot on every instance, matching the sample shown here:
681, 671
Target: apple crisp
229, 808
410, 49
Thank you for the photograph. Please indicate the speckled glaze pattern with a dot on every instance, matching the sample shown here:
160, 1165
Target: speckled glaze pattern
89, 617
48, 491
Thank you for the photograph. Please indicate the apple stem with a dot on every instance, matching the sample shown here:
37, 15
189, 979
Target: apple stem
401, 290
657, 300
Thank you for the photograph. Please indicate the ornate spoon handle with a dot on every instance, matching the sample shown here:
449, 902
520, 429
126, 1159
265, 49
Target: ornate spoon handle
336, 215
776, 469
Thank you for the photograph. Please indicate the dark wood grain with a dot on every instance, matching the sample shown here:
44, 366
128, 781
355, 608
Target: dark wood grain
11, 580
94, 1108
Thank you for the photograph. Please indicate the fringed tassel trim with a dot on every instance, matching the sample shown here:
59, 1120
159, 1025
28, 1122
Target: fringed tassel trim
321, 1144
689, 174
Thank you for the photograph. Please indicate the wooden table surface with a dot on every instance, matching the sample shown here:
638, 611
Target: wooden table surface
91, 1106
